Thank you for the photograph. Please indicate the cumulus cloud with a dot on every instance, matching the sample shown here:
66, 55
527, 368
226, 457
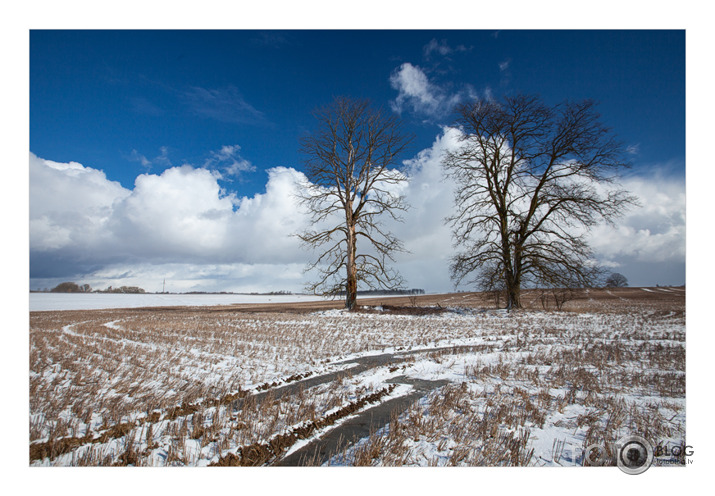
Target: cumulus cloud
424, 232
417, 94
80, 219
652, 233
180, 212
269, 221
647, 244
182, 226
414, 89
70, 205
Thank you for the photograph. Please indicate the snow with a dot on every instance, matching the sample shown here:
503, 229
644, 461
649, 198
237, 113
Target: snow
519, 354
97, 301
101, 301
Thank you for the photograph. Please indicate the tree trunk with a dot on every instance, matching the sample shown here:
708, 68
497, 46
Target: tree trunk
513, 297
351, 286
513, 286
351, 296
513, 277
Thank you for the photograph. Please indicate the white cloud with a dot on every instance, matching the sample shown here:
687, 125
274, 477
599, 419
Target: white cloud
647, 243
414, 90
162, 159
417, 94
209, 277
80, 219
268, 221
180, 225
70, 205
135, 156
633, 149
178, 212
227, 152
230, 161
651, 233
424, 231
441, 47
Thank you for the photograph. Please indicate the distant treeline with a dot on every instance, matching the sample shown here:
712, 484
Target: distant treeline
270, 293
203, 292
71, 287
386, 292
122, 289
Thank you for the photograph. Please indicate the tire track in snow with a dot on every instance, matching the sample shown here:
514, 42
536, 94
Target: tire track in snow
327, 443
362, 364
57, 447
320, 449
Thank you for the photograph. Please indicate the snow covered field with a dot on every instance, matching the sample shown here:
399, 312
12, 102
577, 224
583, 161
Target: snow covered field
194, 387
95, 301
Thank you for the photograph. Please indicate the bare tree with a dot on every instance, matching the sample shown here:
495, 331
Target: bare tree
562, 296
616, 280
67, 287
353, 183
530, 181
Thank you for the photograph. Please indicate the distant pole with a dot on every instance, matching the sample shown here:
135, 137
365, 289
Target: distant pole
163, 287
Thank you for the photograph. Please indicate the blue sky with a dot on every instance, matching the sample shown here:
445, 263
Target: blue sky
136, 117
108, 98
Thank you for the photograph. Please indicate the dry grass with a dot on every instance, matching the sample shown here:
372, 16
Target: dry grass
593, 377
176, 386
448, 429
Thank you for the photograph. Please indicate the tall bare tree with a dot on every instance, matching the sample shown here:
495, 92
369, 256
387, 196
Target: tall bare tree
616, 280
350, 164
530, 182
